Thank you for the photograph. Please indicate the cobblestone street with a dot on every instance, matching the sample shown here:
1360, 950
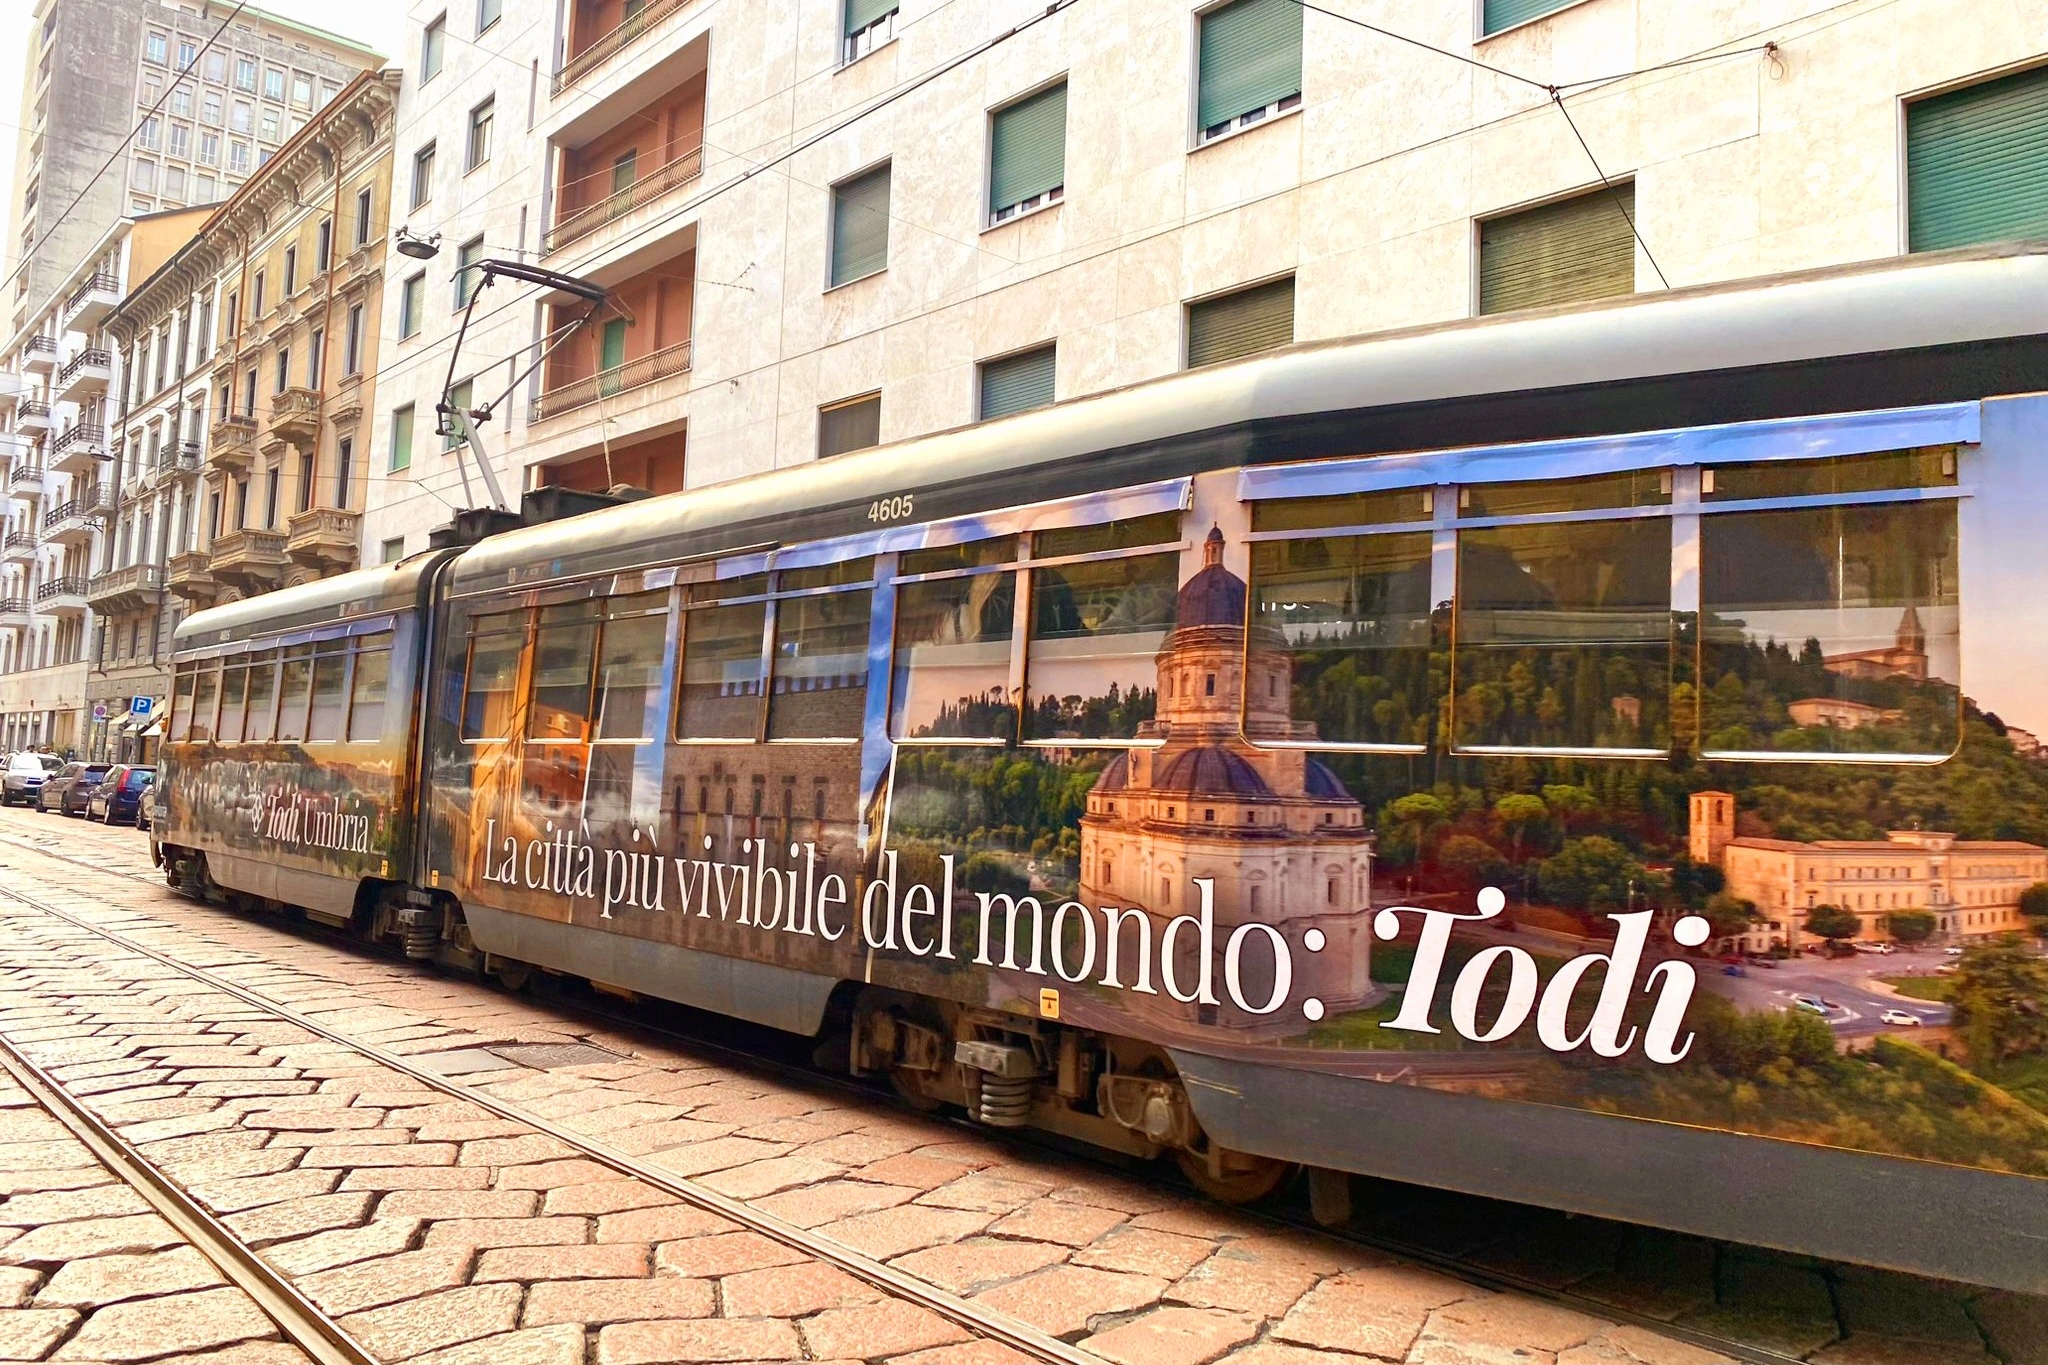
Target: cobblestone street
453, 1174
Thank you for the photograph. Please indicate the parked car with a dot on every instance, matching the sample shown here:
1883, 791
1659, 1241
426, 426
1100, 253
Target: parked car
1811, 1004
1952, 951
1901, 1018
25, 775
1735, 969
119, 795
66, 793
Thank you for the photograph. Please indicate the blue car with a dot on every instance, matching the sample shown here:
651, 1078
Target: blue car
119, 795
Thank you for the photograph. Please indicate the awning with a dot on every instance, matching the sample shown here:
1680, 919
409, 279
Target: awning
153, 731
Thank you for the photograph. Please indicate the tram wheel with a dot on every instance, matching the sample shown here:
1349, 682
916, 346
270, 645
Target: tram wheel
1240, 1177
513, 975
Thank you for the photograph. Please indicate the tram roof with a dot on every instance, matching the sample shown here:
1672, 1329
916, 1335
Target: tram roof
1201, 419
360, 592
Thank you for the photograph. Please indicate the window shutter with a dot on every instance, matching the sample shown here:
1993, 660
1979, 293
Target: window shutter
850, 426
1502, 14
1561, 253
1977, 164
861, 13
1028, 149
1251, 57
860, 226
1244, 323
1017, 383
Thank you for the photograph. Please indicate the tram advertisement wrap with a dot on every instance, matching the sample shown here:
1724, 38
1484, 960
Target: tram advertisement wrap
1488, 809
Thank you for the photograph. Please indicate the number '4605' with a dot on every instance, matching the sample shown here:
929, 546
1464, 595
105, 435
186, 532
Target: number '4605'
890, 509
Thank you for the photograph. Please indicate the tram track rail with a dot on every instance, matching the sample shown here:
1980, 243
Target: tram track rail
1022, 1142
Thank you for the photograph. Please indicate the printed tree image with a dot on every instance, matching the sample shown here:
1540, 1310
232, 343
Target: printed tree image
1520, 814
2000, 996
2034, 905
1911, 926
1832, 923
1593, 873
1729, 915
1471, 862
1417, 814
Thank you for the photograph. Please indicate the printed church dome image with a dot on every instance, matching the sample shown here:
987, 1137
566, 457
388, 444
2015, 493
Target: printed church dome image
1284, 843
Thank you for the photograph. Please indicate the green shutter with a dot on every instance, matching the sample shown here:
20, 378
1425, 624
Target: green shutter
1244, 323
1561, 253
861, 13
1017, 383
1977, 164
860, 226
1251, 57
1028, 149
850, 426
1502, 14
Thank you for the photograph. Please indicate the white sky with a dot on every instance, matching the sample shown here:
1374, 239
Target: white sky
378, 23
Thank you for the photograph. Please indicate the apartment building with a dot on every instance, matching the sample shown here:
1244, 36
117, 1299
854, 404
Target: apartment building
204, 112
838, 224
60, 378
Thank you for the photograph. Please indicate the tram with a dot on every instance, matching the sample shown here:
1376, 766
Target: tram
1469, 756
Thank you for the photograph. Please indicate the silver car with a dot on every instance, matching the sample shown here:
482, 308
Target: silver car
26, 772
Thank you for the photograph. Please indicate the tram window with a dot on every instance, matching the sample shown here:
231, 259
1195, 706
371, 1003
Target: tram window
205, 693
492, 678
1630, 488
972, 554
1830, 630
1390, 507
843, 572
1922, 467
294, 688
181, 704
952, 659
721, 691
629, 666
330, 692
821, 667
368, 688
261, 712
234, 683
1158, 529
1339, 647
564, 649
1092, 669
1564, 636
725, 589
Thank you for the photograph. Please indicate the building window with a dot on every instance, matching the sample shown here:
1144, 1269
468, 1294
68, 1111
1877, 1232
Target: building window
1242, 323
1977, 164
466, 258
181, 101
245, 74
1582, 248
256, 295
423, 175
401, 439
181, 140
461, 397
270, 129
411, 300
1017, 383
854, 424
432, 44
344, 469
157, 49
1027, 162
291, 271
364, 201
352, 347
391, 551
323, 254
478, 149
271, 483
209, 108
302, 90
860, 226
1250, 64
488, 12
209, 150
174, 182
316, 350
188, 53
217, 67
273, 84
305, 481
238, 158
1505, 14
869, 24
284, 368
147, 134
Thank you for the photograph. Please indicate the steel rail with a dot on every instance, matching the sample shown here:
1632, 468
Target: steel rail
303, 1324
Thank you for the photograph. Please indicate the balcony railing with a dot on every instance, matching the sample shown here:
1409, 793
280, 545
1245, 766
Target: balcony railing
619, 379
619, 203
126, 589
323, 536
18, 545
179, 457
103, 281
13, 611
610, 44
32, 412
84, 360
39, 352
26, 478
59, 588
295, 414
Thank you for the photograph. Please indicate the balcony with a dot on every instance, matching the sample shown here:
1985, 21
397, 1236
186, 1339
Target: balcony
39, 355
190, 576
13, 613
18, 548
73, 521
634, 374
25, 481
134, 588
180, 459
93, 300
86, 375
611, 43
253, 561
616, 205
323, 538
62, 597
79, 450
295, 415
233, 443
32, 417
12, 391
